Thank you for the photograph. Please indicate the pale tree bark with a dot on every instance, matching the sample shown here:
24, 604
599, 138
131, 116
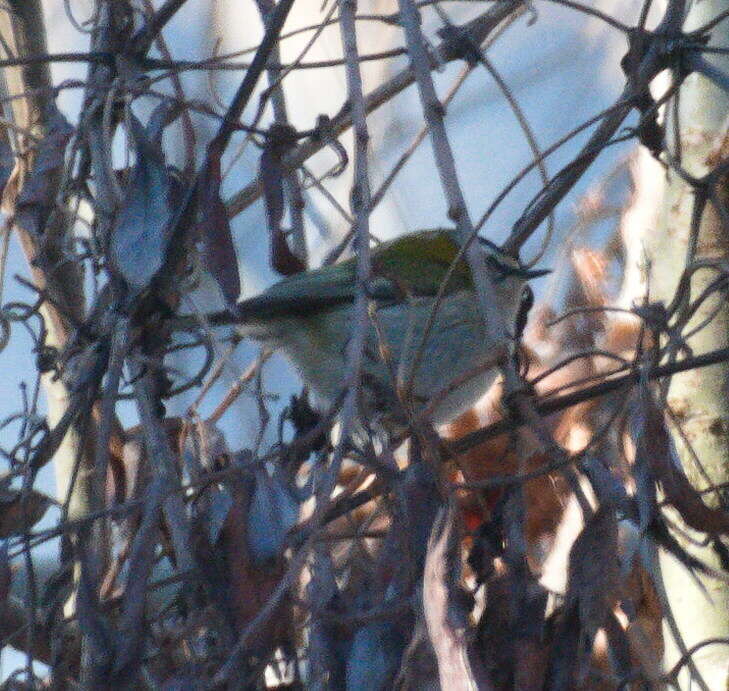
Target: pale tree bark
45, 236
22, 30
699, 399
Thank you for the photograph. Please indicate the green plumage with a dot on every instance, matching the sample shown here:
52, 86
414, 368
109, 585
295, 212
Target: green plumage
413, 264
443, 351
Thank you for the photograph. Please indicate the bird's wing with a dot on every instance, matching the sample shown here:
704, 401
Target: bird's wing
419, 263
311, 291
411, 264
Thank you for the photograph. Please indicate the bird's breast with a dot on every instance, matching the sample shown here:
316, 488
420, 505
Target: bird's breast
427, 351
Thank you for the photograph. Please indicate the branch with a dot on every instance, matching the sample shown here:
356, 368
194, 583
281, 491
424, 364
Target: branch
478, 29
142, 40
652, 63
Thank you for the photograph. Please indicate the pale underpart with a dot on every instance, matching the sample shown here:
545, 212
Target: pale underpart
457, 345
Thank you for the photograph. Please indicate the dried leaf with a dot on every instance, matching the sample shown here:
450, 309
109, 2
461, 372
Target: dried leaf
544, 495
283, 260
594, 570
592, 592
655, 450
662, 536
140, 237
217, 241
447, 609
273, 511
18, 514
37, 195
272, 174
511, 628
250, 587
6, 576
7, 163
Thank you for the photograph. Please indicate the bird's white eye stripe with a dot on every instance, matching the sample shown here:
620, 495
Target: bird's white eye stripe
494, 252
505, 264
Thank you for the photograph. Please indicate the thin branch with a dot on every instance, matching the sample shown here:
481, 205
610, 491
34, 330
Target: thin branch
479, 29
142, 40
651, 64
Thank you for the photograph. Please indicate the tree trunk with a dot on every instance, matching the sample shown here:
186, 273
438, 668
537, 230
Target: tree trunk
23, 33
699, 399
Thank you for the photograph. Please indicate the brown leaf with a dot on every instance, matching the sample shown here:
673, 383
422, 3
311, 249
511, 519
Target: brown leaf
593, 589
272, 174
250, 586
7, 163
37, 195
283, 260
19, 515
217, 241
594, 571
511, 630
544, 495
655, 446
140, 237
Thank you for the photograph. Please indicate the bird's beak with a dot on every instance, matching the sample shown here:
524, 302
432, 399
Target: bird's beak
528, 274
520, 272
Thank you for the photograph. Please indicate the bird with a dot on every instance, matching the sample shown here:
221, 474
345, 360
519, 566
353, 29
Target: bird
424, 352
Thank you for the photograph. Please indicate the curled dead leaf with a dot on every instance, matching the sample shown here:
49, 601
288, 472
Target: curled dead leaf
593, 589
19, 513
655, 448
140, 237
37, 192
214, 232
272, 174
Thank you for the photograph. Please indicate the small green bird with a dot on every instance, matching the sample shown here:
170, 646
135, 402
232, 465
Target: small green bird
309, 316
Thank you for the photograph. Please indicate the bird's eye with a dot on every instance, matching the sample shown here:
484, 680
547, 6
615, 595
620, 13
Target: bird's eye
500, 271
